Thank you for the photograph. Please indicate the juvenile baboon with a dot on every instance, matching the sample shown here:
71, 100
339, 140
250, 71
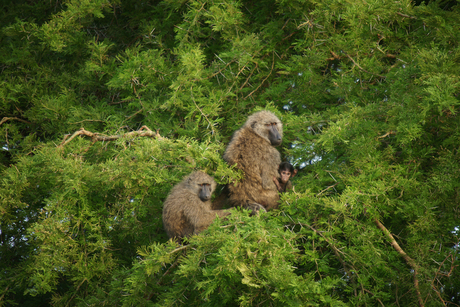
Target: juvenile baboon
187, 209
252, 149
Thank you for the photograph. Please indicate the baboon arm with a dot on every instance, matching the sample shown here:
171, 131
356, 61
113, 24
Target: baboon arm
275, 180
267, 181
206, 219
202, 225
220, 213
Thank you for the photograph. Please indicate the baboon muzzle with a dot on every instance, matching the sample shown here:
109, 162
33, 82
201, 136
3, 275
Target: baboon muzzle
205, 192
274, 136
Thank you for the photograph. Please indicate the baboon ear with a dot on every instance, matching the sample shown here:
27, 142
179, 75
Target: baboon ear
253, 124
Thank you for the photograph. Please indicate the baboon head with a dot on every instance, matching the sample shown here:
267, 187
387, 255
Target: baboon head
202, 185
267, 126
286, 171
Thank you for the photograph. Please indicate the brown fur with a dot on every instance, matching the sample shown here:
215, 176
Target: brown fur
184, 213
253, 153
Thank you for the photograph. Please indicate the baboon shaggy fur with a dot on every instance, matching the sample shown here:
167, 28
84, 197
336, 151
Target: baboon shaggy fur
252, 149
187, 209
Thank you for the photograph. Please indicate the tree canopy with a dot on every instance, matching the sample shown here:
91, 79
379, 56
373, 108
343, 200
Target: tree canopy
107, 104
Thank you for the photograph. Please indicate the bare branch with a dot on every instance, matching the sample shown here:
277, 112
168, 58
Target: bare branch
386, 134
144, 131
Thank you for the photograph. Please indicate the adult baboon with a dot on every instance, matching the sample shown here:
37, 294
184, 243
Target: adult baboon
251, 148
187, 209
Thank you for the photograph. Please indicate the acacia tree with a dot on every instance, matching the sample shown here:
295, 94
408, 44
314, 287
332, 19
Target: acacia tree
107, 104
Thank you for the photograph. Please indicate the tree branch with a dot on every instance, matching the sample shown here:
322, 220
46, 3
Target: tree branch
143, 131
5, 119
386, 134
408, 259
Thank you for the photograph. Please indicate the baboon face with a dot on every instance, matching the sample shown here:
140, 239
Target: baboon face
285, 175
274, 135
266, 125
204, 191
202, 185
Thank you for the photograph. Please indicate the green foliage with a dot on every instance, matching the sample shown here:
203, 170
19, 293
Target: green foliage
368, 93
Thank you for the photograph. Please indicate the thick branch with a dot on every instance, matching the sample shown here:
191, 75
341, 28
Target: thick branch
408, 259
143, 131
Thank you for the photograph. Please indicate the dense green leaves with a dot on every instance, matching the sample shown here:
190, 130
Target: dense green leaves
368, 93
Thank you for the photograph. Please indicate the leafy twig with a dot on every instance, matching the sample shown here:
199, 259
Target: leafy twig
150, 295
329, 187
383, 77
263, 81
407, 16
210, 124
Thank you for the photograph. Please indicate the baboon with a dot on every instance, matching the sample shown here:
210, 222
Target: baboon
187, 209
252, 149
286, 172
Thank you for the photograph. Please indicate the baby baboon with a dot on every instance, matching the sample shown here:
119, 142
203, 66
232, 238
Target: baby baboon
283, 183
251, 148
187, 209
